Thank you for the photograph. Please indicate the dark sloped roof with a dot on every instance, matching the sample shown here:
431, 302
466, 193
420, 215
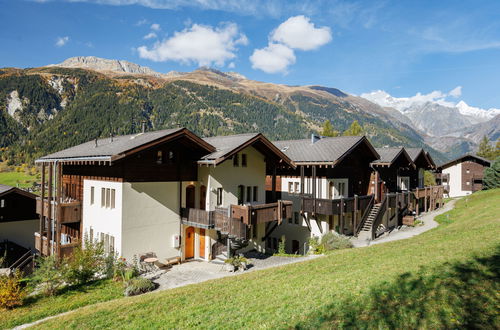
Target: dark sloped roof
227, 146
388, 155
106, 148
460, 159
326, 150
5, 189
414, 152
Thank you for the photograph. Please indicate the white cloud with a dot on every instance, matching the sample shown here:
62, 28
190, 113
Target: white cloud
201, 44
299, 33
456, 92
231, 65
155, 27
150, 35
142, 22
61, 41
273, 59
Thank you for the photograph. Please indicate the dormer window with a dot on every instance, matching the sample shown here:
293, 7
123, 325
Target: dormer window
159, 157
243, 160
236, 160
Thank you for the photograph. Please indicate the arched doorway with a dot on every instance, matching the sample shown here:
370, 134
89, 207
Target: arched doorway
189, 243
190, 197
203, 197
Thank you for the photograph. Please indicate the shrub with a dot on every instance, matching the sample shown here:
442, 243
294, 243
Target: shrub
11, 291
86, 263
139, 285
315, 247
124, 271
49, 277
282, 246
334, 241
237, 261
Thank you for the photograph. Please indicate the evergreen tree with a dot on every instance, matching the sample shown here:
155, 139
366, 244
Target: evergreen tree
497, 149
491, 178
485, 149
354, 130
328, 130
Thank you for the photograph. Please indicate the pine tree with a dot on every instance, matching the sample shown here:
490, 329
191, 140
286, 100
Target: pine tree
491, 177
354, 130
328, 129
485, 149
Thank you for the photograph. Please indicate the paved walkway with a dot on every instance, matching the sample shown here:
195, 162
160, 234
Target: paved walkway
201, 271
407, 232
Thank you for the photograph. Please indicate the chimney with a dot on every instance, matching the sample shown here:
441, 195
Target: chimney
96, 142
315, 138
143, 126
111, 136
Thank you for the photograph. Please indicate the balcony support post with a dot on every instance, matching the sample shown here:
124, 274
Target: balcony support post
57, 216
273, 183
42, 209
49, 211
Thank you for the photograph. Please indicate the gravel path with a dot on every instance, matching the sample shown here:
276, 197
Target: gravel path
407, 232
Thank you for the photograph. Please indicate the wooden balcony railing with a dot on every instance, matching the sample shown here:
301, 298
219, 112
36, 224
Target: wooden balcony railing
198, 218
69, 212
335, 206
43, 247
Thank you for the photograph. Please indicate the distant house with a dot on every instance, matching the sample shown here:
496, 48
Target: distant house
329, 188
18, 218
463, 175
168, 192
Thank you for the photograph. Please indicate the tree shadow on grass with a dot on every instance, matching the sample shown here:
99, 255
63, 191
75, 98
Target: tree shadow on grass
458, 295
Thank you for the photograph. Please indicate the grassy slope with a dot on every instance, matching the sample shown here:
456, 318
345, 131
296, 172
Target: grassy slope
13, 178
339, 289
38, 307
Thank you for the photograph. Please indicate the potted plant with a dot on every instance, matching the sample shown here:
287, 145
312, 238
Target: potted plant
236, 263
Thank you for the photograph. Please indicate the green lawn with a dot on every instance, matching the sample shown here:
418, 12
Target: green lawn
445, 278
39, 307
14, 178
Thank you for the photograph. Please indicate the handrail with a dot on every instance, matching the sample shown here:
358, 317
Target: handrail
378, 217
365, 215
18, 263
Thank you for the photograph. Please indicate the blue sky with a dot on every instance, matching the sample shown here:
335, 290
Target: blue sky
401, 47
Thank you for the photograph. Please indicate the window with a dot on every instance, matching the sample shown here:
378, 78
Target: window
249, 194
2, 203
219, 196
296, 217
236, 161
255, 193
243, 160
92, 195
113, 193
91, 234
290, 187
296, 189
108, 197
159, 157
103, 197
241, 194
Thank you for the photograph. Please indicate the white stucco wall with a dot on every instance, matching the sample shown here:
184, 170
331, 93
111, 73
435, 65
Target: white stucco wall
150, 218
20, 232
455, 180
102, 219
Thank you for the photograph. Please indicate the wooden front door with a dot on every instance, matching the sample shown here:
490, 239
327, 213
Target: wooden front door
202, 243
190, 197
203, 197
189, 244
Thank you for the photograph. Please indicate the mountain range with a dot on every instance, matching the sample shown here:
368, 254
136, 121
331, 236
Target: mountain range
57, 106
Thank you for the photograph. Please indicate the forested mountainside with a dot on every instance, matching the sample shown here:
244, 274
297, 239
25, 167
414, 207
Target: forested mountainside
51, 108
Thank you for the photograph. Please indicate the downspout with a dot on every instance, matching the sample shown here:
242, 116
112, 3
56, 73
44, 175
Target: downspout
53, 206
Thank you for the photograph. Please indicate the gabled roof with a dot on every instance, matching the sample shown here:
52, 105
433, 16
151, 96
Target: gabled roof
327, 150
419, 153
121, 146
227, 146
389, 155
5, 189
466, 157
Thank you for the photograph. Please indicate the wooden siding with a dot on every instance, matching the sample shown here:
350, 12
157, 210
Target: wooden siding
472, 172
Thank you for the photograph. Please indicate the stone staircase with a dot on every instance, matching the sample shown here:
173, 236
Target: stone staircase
366, 230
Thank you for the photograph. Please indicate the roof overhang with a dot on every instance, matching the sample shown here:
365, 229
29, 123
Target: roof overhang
18, 191
483, 161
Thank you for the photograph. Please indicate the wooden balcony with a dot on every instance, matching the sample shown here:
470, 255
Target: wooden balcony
197, 218
334, 206
69, 212
44, 248
262, 213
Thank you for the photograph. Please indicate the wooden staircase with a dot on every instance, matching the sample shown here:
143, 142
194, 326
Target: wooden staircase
366, 230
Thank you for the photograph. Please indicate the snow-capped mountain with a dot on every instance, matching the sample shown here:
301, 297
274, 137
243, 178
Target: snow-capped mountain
468, 110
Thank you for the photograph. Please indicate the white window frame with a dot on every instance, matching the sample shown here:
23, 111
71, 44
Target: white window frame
406, 181
336, 186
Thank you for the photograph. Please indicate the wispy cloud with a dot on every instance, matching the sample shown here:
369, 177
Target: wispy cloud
155, 27
150, 35
61, 41
200, 44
